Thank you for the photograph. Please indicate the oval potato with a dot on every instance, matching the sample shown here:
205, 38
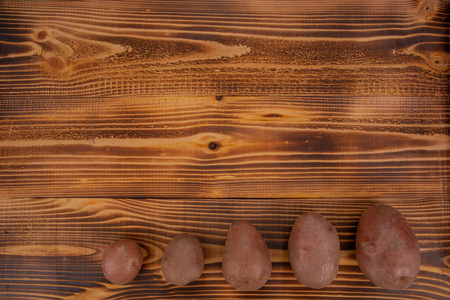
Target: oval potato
387, 250
246, 263
314, 250
121, 261
183, 259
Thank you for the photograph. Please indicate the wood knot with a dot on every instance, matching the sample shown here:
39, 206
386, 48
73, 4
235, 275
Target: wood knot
446, 261
438, 61
56, 63
273, 116
218, 98
427, 10
213, 146
42, 35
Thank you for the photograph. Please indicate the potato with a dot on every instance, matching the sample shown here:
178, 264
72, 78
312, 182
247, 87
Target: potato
183, 259
122, 260
387, 250
246, 261
314, 250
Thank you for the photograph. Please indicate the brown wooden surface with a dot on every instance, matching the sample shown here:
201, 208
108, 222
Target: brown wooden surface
144, 119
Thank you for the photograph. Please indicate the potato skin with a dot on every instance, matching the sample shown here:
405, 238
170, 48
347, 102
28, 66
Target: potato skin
121, 262
246, 263
183, 260
314, 250
387, 250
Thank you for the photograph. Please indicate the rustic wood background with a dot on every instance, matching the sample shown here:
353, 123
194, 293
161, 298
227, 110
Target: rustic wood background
144, 119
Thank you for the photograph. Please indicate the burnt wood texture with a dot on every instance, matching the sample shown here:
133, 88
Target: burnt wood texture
145, 119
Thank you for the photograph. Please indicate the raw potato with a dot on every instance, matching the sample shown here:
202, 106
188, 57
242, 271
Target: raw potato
183, 260
387, 250
122, 261
246, 261
314, 250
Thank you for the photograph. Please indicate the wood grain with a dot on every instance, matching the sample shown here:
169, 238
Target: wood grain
239, 47
279, 146
144, 119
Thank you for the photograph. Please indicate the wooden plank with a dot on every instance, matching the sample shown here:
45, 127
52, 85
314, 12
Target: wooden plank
237, 47
271, 146
52, 247
143, 119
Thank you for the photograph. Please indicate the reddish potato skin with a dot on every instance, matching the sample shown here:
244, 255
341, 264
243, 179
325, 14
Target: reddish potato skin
314, 250
387, 250
246, 263
121, 262
183, 260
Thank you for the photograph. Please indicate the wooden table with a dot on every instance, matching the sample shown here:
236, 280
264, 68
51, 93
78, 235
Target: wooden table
144, 119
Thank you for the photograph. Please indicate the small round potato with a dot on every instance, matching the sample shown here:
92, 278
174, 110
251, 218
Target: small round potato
246, 261
387, 250
183, 260
121, 262
314, 250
